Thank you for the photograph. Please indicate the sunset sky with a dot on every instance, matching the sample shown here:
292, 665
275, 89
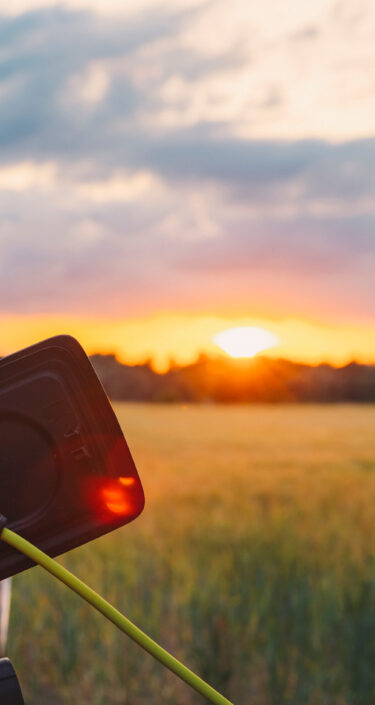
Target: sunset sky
173, 169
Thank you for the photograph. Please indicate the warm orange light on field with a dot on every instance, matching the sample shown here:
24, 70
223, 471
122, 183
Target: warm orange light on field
245, 341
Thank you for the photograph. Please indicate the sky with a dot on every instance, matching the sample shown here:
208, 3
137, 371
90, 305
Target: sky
171, 169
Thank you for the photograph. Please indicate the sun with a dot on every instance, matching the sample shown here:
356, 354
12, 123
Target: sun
245, 341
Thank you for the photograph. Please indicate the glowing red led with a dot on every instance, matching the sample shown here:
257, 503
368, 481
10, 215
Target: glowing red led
127, 481
116, 499
119, 507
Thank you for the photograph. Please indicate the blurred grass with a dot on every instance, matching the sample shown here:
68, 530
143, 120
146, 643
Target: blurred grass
254, 562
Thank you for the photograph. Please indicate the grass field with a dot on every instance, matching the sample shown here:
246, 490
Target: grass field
254, 562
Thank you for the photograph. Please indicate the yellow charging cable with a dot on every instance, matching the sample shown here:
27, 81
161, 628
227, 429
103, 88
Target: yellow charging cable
124, 624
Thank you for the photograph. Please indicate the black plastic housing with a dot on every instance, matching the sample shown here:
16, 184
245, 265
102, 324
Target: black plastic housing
66, 473
10, 691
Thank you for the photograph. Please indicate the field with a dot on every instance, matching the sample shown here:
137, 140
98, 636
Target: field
254, 562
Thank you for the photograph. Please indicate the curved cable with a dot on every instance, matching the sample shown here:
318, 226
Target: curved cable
107, 610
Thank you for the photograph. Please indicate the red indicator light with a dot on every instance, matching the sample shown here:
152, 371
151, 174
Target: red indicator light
116, 500
113, 495
119, 507
127, 481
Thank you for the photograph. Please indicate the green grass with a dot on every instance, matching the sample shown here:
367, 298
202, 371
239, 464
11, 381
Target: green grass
254, 562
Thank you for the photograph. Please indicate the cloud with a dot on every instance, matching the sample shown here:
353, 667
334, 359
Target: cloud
46, 54
26, 176
128, 183
120, 187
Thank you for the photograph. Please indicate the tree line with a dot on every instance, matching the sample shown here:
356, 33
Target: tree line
259, 379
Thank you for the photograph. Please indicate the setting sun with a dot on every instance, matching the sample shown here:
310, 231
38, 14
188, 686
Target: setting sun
245, 341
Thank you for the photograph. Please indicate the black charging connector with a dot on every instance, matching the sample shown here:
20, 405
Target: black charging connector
66, 472
10, 691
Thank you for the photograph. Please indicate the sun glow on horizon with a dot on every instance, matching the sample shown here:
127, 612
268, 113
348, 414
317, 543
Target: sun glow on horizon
245, 341
181, 338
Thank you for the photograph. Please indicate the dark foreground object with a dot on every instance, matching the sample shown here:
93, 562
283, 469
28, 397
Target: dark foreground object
66, 473
10, 691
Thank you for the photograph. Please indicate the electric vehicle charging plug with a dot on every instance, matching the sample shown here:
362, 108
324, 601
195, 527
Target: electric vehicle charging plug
114, 616
10, 691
